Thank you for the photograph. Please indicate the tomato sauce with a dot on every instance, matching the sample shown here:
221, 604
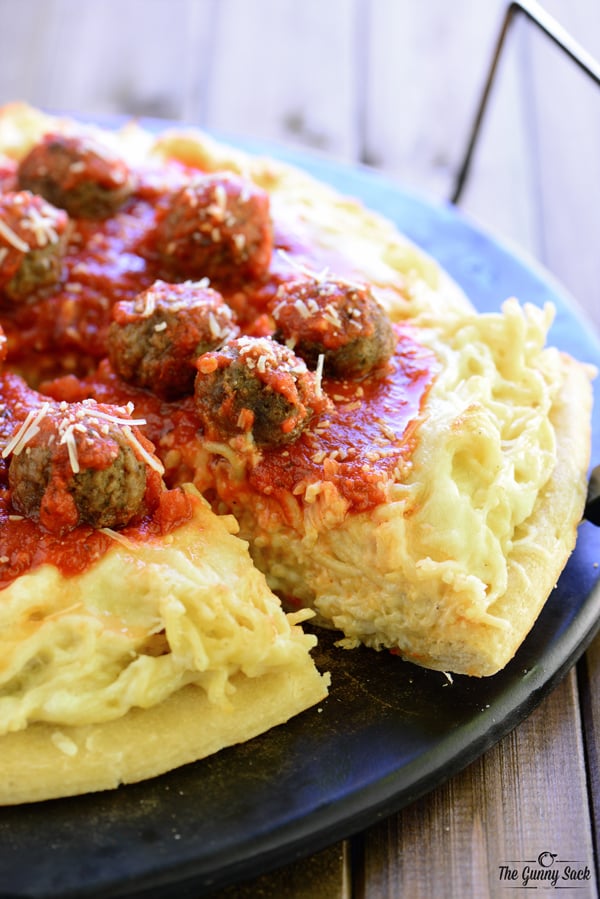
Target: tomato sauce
360, 446
25, 545
58, 337
64, 328
365, 442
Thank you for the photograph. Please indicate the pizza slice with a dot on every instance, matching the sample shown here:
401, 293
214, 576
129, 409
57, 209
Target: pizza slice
136, 635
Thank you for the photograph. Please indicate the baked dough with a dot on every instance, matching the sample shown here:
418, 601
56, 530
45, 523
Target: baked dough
164, 651
444, 557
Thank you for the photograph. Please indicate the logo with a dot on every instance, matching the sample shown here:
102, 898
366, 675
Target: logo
547, 871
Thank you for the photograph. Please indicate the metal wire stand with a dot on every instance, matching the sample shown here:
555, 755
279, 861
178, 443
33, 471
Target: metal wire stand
548, 25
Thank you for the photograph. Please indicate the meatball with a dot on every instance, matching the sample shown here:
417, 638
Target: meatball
337, 319
78, 174
80, 463
258, 387
33, 240
155, 339
218, 226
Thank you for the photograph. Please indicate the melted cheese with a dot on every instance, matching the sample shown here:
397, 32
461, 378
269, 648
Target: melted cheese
142, 623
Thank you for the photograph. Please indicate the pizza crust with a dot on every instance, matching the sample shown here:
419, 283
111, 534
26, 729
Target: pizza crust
161, 653
540, 550
48, 761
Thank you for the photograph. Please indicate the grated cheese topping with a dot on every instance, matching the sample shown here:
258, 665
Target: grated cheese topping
26, 432
12, 238
75, 421
43, 227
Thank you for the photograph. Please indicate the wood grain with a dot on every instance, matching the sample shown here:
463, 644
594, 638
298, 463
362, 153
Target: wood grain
565, 123
426, 63
589, 669
525, 796
303, 66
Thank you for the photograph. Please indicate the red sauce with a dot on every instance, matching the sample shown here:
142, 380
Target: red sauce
64, 327
8, 169
365, 441
358, 446
25, 545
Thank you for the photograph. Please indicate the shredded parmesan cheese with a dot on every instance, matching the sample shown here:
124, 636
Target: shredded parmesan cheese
68, 437
117, 537
28, 430
150, 460
42, 227
319, 374
13, 239
114, 419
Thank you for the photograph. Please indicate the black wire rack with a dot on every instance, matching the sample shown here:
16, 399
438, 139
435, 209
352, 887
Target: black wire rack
534, 13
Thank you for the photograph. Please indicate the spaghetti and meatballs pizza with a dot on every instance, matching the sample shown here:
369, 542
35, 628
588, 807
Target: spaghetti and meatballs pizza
232, 400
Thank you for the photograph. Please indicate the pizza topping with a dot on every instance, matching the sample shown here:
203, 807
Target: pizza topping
256, 386
77, 173
33, 241
81, 463
356, 450
217, 226
155, 339
336, 320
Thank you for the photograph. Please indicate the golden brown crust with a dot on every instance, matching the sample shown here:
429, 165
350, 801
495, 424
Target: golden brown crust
47, 761
541, 547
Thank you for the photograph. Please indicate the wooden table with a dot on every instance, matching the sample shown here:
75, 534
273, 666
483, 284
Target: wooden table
393, 84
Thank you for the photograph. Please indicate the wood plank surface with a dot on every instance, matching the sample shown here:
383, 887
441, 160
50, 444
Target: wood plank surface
303, 65
458, 837
589, 674
394, 84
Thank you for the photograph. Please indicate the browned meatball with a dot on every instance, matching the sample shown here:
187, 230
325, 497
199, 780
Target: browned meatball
77, 173
337, 319
256, 386
33, 240
219, 227
155, 339
80, 463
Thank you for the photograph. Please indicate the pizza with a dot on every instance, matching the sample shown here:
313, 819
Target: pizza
234, 400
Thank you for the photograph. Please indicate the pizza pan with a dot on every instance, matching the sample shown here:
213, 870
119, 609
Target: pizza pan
388, 733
